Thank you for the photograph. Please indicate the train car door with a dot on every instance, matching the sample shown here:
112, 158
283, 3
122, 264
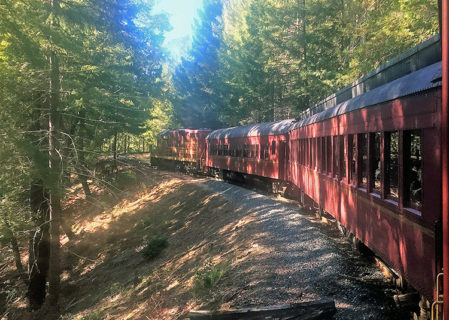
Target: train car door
282, 159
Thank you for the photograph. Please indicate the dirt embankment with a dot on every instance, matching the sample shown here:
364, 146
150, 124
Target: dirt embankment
227, 247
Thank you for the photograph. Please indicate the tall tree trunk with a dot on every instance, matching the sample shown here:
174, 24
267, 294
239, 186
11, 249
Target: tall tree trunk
39, 247
55, 175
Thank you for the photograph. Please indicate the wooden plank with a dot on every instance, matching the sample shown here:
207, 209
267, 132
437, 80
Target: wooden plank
316, 310
406, 300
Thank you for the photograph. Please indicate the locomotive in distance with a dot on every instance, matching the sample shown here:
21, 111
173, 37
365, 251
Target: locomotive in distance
368, 155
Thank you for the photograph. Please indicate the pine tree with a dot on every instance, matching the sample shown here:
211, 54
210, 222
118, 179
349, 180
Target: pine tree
196, 77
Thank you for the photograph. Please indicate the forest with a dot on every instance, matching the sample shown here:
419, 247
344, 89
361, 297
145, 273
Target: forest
85, 83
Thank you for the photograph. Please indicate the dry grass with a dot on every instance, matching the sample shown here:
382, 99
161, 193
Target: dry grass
105, 274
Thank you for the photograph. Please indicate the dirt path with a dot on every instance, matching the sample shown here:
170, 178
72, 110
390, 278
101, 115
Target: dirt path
227, 247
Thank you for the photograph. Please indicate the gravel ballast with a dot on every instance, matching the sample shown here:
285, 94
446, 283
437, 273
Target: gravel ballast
291, 257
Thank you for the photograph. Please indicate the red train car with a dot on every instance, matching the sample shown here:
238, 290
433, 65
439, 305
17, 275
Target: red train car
256, 149
369, 155
374, 163
182, 147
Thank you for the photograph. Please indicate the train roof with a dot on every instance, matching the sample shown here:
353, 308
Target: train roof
253, 130
421, 80
183, 130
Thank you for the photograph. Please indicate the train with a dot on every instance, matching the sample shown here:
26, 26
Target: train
370, 155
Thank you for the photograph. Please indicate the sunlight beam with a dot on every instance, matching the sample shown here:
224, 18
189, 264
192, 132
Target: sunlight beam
181, 14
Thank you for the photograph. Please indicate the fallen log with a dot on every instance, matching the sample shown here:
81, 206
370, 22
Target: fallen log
315, 310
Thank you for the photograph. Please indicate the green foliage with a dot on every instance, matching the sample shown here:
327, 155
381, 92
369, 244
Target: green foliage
155, 246
196, 79
89, 70
277, 58
208, 277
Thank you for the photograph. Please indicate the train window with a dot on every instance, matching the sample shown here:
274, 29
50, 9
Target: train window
314, 152
318, 153
310, 153
323, 154
375, 174
362, 144
253, 151
306, 152
273, 147
265, 152
226, 150
336, 168
413, 168
329, 154
343, 155
352, 156
303, 152
391, 159
257, 151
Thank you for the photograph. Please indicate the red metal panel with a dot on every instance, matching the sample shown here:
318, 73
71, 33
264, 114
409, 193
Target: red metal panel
445, 148
270, 168
184, 145
398, 235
